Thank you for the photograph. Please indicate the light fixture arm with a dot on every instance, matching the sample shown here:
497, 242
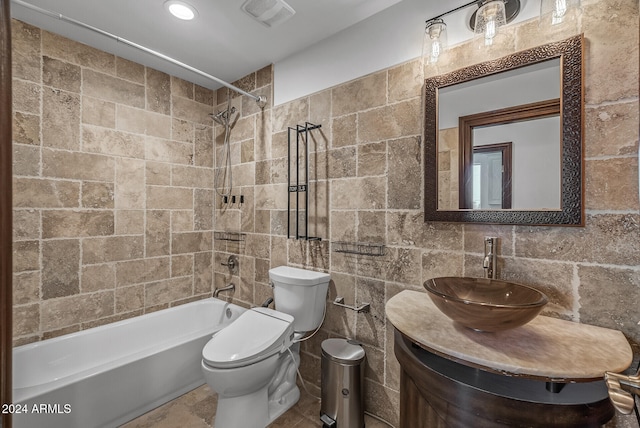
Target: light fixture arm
428, 21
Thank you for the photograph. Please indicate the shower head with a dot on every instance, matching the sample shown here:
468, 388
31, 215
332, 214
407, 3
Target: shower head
222, 117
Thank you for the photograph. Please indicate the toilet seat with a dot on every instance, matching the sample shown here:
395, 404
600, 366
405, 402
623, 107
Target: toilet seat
257, 334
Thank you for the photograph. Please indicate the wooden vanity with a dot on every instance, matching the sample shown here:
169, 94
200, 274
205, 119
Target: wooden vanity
547, 373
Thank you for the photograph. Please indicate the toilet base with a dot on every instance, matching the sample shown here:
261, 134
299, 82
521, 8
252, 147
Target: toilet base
260, 408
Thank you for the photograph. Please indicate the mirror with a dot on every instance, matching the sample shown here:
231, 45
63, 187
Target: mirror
503, 139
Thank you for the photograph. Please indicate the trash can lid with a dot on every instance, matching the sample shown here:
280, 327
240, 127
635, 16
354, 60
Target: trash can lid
344, 351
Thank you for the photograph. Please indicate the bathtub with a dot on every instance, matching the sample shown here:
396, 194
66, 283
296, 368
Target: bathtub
108, 375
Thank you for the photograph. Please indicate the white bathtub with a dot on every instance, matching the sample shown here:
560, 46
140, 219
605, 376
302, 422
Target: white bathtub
105, 376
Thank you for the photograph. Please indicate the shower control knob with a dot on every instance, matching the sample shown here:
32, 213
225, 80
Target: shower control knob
232, 264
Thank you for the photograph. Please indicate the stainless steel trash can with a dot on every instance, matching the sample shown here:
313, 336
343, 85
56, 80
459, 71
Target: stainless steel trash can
342, 384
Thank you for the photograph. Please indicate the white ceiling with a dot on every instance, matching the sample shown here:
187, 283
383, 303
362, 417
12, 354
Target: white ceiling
222, 41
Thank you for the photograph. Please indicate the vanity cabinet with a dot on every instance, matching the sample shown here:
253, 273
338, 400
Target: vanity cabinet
547, 373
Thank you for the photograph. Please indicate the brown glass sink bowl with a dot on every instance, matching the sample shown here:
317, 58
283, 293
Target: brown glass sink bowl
485, 304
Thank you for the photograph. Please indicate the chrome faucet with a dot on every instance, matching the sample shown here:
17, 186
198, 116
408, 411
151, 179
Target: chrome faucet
230, 287
490, 260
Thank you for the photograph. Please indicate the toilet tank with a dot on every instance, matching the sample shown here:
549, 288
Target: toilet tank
301, 293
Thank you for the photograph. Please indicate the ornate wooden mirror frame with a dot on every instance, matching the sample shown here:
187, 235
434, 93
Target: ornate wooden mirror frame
570, 52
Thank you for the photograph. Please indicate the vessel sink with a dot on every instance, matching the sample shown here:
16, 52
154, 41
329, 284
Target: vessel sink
485, 304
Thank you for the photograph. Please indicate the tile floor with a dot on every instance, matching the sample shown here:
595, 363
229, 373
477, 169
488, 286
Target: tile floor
196, 409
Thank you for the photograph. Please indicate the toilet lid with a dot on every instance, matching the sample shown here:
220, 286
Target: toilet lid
255, 335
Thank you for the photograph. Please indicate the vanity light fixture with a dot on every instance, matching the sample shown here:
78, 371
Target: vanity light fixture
181, 10
435, 39
556, 10
489, 18
486, 20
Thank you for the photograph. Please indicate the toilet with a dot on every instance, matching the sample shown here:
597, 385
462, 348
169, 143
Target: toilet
252, 363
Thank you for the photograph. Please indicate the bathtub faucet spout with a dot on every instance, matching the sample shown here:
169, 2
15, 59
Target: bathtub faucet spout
230, 287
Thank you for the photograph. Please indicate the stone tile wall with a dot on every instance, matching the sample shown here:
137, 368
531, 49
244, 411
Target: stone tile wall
366, 167
113, 187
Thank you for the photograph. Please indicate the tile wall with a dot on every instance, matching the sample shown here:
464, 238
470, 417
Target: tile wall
366, 185
113, 194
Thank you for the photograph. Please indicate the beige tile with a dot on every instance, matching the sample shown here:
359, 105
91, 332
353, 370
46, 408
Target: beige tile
181, 88
204, 95
60, 119
203, 147
342, 162
611, 184
203, 272
61, 75
60, 268
168, 290
26, 256
372, 159
189, 176
611, 76
604, 240
39, 193
161, 197
98, 112
191, 242
129, 222
26, 129
70, 310
112, 142
158, 173
97, 195
109, 88
157, 233
405, 81
182, 221
25, 54
393, 121
192, 111
26, 96
56, 46
26, 319
130, 70
606, 300
182, 265
407, 228
97, 277
26, 225
130, 119
77, 165
359, 193
26, 160
129, 298
405, 173
109, 249
142, 270
130, 189
611, 129
158, 91
361, 94
169, 151
290, 114
73, 223
26, 288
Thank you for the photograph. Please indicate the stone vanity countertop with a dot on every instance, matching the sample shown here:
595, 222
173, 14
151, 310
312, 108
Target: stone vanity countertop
546, 348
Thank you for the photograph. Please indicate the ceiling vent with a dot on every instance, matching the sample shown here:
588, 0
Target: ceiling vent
268, 12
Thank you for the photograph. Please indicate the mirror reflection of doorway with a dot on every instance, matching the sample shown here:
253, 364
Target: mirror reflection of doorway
491, 178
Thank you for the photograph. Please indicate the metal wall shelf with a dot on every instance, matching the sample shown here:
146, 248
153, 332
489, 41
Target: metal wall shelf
362, 248
230, 236
298, 182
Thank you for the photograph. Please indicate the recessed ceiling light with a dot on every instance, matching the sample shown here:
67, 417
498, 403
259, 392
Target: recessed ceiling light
181, 10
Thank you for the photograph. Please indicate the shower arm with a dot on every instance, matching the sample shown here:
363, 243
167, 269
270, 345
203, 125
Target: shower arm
261, 100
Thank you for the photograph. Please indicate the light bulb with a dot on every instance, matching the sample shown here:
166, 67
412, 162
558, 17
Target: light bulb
489, 18
559, 11
435, 40
180, 10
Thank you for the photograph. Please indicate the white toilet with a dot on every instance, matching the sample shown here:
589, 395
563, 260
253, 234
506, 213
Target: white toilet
252, 363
